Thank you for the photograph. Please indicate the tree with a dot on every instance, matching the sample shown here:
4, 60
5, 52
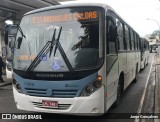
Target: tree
156, 33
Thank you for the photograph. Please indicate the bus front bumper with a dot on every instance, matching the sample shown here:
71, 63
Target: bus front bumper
92, 104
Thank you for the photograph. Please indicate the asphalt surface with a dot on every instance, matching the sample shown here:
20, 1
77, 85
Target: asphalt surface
129, 102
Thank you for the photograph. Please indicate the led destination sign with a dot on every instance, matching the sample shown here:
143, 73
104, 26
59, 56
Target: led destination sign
65, 17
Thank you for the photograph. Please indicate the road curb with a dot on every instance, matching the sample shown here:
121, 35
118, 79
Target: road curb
144, 92
6, 84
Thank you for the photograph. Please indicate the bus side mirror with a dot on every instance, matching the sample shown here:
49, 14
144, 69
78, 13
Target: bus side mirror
114, 33
6, 37
19, 40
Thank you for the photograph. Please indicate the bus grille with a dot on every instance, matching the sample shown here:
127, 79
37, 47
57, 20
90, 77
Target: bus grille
60, 106
55, 93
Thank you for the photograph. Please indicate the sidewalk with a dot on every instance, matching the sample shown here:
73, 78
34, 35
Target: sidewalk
157, 86
7, 81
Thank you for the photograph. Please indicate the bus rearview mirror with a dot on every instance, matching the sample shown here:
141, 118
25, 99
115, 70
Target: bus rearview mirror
6, 37
113, 33
19, 40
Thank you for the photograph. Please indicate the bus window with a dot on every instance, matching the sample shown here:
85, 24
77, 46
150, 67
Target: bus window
127, 38
138, 45
120, 34
111, 43
132, 39
135, 41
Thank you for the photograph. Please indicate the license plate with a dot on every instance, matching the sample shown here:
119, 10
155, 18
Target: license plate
47, 103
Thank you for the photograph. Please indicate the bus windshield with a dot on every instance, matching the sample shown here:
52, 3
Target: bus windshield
79, 39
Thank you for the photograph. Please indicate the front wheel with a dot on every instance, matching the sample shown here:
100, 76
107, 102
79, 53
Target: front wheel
119, 93
136, 73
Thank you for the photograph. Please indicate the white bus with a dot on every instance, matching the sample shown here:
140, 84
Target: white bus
10, 35
74, 58
144, 52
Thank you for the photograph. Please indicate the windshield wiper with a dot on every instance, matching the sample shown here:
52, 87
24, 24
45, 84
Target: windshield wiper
47, 49
52, 42
40, 55
20, 30
57, 41
58, 45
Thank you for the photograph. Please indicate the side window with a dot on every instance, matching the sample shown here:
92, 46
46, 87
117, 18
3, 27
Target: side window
138, 41
142, 45
120, 34
135, 41
132, 39
111, 43
127, 37
147, 45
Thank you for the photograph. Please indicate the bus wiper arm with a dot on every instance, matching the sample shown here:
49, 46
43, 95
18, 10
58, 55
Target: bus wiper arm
57, 40
20, 30
42, 53
45, 51
52, 43
58, 45
38, 59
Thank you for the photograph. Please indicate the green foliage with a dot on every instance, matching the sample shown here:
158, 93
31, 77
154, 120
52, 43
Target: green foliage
155, 33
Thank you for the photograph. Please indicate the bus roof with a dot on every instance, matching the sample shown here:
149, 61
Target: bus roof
105, 6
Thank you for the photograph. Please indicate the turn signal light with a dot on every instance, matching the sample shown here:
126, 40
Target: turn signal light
93, 86
99, 78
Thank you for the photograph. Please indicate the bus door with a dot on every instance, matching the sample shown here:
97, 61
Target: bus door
129, 58
111, 59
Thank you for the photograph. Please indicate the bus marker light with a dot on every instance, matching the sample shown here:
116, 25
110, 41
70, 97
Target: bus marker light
106, 94
99, 78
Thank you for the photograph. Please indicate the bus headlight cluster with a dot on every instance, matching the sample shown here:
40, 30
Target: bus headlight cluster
17, 86
92, 87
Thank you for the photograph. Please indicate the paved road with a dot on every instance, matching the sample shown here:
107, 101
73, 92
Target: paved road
129, 103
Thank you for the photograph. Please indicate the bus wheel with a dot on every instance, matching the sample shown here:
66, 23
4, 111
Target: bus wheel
144, 64
147, 62
119, 92
136, 73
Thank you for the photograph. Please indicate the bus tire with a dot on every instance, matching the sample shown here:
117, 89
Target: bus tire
145, 63
136, 73
119, 91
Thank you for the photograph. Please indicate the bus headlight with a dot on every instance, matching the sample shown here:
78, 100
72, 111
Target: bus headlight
92, 87
89, 89
17, 86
